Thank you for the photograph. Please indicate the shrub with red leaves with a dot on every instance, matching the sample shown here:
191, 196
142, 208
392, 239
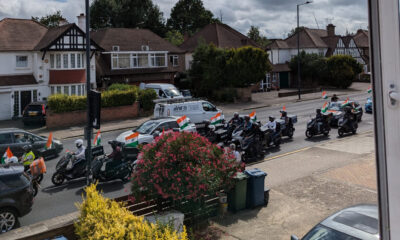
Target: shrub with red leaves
183, 167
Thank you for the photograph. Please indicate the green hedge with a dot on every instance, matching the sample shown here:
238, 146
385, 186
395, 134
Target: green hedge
146, 98
115, 98
122, 87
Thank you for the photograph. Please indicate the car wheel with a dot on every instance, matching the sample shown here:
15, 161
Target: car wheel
57, 179
309, 134
8, 220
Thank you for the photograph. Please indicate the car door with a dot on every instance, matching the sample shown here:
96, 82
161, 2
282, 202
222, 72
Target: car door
163, 126
36, 142
6, 141
20, 140
209, 110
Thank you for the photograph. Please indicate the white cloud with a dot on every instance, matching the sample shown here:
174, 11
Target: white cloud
274, 17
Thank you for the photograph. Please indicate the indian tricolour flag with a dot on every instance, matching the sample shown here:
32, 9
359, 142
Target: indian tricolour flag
217, 119
132, 140
369, 90
7, 155
49, 143
253, 116
345, 102
324, 95
183, 122
97, 139
324, 107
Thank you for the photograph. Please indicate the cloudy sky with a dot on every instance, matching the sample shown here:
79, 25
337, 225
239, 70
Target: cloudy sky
275, 18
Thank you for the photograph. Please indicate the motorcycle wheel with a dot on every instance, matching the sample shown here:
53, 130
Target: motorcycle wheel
326, 133
277, 143
57, 179
354, 131
39, 178
309, 134
290, 132
340, 132
35, 189
128, 175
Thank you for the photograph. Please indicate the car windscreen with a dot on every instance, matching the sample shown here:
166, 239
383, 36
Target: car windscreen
147, 127
334, 106
320, 232
35, 108
172, 92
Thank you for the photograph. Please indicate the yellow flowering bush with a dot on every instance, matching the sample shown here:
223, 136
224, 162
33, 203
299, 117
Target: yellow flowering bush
105, 219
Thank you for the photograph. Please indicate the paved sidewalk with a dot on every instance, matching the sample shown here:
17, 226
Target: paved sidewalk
306, 187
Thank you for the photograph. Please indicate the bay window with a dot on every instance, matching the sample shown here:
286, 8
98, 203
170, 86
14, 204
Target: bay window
58, 60
66, 61
157, 60
72, 56
139, 60
143, 60
70, 89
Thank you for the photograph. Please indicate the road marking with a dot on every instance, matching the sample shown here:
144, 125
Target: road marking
279, 156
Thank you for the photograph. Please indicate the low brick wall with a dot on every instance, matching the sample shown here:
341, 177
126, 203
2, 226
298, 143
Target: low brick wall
67, 119
244, 94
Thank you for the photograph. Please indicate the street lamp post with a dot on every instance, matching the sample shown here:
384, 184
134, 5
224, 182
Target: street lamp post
298, 49
89, 123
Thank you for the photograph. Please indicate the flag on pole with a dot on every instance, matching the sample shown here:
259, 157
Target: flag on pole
284, 108
97, 139
253, 116
369, 90
324, 107
132, 140
183, 122
49, 143
345, 102
324, 95
7, 155
217, 119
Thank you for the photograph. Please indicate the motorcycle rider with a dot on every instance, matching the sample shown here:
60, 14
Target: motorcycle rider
319, 118
236, 120
116, 155
28, 156
334, 98
271, 125
237, 155
348, 117
80, 152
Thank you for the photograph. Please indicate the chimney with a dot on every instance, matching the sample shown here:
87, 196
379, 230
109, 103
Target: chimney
330, 29
82, 22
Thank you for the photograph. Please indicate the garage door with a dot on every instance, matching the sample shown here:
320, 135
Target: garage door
5, 108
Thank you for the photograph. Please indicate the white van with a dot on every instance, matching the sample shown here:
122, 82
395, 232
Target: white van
163, 90
196, 110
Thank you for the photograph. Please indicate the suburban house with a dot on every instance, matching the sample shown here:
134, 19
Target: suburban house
319, 41
361, 39
134, 56
221, 35
36, 61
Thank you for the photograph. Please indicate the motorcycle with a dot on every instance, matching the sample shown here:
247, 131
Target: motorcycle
287, 128
312, 127
347, 126
250, 147
69, 168
271, 137
106, 169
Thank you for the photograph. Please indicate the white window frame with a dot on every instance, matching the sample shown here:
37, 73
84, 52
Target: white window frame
134, 59
175, 58
16, 61
53, 89
75, 55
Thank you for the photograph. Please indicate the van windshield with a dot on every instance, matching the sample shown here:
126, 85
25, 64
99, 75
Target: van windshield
147, 127
172, 92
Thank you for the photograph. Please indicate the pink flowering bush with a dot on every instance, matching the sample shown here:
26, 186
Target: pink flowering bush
182, 167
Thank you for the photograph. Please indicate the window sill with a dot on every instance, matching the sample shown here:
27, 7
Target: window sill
22, 68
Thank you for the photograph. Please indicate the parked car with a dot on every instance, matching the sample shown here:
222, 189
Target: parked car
148, 130
354, 223
196, 110
16, 196
16, 139
338, 111
368, 105
163, 90
34, 113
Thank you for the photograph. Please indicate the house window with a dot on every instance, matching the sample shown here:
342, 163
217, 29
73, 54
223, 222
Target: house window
52, 90
124, 61
79, 90
114, 62
34, 96
65, 61
72, 56
22, 61
59, 89
51, 60
174, 60
66, 90
73, 90
143, 60
78, 60
58, 61
16, 103
134, 60
157, 60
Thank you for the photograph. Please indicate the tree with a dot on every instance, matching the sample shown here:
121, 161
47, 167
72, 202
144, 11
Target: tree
174, 37
312, 67
127, 14
188, 16
254, 34
294, 31
343, 70
50, 20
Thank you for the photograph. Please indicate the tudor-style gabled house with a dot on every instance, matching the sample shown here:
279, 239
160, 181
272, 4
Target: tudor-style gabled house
36, 61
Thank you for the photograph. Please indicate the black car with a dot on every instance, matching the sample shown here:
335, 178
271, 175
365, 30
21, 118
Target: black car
34, 113
16, 139
16, 196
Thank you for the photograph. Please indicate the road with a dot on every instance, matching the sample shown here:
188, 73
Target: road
54, 201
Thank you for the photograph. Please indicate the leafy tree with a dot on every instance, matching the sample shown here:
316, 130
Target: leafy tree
312, 67
254, 34
187, 16
343, 70
128, 14
50, 20
174, 37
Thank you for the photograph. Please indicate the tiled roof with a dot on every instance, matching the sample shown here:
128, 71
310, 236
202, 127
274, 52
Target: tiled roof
51, 35
17, 80
277, 43
221, 35
309, 38
130, 39
361, 39
67, 76
20, 34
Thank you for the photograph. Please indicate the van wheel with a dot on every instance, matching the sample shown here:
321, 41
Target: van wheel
8, 220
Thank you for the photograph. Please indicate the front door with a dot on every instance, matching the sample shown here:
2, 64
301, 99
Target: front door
26, 98
284, 79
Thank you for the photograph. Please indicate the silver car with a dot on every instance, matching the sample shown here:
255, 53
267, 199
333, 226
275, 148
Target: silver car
354, 223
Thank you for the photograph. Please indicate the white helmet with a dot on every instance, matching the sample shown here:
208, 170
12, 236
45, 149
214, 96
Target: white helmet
78, 143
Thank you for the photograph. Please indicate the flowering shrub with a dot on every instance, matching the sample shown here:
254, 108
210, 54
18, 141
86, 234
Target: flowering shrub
102, 218
183, 167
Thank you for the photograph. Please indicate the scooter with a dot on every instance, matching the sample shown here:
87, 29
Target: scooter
270, 137
287, 128
66, 172
347, 127
250, 147
312, 127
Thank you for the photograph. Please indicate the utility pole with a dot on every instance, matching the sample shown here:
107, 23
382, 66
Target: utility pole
89, 107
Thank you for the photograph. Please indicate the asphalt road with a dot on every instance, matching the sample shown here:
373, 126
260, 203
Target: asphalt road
53, 201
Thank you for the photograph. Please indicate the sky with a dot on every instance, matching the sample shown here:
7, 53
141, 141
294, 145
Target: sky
275, 18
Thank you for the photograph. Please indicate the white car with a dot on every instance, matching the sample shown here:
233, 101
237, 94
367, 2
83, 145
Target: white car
148, 130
